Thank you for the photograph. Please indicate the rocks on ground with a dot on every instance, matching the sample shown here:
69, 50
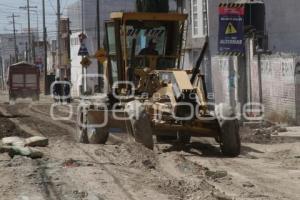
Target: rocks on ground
24, 147
263, 133
216, 174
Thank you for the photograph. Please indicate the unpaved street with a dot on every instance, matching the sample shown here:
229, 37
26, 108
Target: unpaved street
268, 168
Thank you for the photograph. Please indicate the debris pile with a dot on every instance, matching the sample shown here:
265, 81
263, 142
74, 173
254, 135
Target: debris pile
263, 133
8, 128
23, 147
269, 131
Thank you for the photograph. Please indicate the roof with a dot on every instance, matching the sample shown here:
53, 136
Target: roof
21, 64
249, 2
147, 16
241, 3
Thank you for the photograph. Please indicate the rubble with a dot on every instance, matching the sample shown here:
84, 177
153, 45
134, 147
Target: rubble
23, 151
70, 163
248, 184
4, 157
216, 174
264, 133
23, 147
36, 141
13, 141
5, 149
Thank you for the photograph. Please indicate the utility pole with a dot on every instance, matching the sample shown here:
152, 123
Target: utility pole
15, 37
33, 48
58, 37
84, 70
45, 47
100, 71
30, 46
29, 32
27, 56
98, 25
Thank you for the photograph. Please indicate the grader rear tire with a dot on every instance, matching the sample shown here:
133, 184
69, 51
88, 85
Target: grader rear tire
230, 138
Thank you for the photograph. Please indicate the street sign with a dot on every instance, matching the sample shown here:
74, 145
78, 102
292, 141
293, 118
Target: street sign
85, 62
231, 29
82, 37
83, 51
101, 55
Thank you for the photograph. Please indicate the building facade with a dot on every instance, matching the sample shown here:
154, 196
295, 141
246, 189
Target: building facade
268, 80
87, 23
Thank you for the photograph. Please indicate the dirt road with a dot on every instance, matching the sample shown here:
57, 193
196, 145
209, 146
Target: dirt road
125, 170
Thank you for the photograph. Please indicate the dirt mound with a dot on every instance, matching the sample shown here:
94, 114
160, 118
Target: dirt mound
8, 128
190, 190
130, 154
265, 134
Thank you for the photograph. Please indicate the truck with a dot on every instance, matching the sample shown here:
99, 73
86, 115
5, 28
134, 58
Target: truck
23, 81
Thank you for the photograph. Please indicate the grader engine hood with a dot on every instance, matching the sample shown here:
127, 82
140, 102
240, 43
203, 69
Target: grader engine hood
180, 82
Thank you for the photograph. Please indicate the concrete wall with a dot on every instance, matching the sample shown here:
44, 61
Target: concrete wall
229, 82
297, 77
280, 84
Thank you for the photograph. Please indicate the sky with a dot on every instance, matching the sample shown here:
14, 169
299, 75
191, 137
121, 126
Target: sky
8, 7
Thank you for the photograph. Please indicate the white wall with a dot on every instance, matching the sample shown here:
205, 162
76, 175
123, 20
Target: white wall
279, 85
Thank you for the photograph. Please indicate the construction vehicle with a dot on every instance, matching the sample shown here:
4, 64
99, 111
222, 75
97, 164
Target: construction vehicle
147, 93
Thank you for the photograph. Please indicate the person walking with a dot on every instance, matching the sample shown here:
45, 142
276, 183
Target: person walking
67, 90
57, 90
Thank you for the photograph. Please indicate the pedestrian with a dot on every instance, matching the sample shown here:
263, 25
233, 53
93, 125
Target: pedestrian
67, 90
57, 90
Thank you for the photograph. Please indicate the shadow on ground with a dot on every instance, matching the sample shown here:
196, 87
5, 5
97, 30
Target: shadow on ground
204, 149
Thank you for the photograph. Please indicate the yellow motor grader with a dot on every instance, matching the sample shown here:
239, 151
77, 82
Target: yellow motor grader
146, 92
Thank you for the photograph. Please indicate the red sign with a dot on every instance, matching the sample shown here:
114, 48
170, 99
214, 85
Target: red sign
231, 11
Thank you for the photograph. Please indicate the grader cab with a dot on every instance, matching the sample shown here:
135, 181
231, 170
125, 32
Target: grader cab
146, 91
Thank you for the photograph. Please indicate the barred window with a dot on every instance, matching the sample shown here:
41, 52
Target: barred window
199, 18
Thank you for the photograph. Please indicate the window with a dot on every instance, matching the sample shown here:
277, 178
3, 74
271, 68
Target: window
199, 18
159, 42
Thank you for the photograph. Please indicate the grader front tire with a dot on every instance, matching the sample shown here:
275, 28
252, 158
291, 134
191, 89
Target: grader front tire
230, 138
90, 135
142, 130
140, 124
97, 135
